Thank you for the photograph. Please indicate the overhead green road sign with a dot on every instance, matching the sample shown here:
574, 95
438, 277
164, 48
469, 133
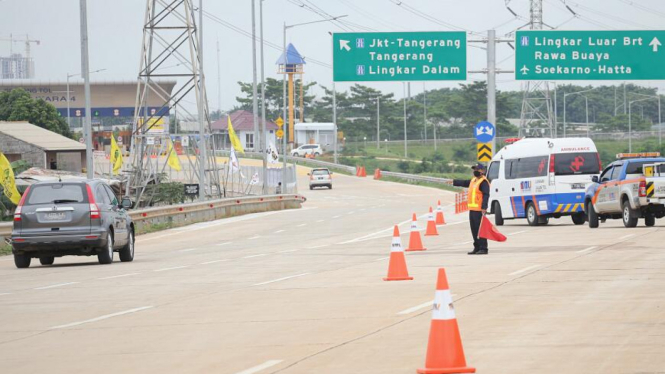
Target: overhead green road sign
589, 55
399, 56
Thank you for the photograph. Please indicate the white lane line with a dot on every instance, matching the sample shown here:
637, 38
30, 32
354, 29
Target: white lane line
213, 262
302, 225
321, 220
389, 232
4, 294
626, 236
351, 212
54, 286
318, 246
335, 217
288, 251
119, 276
417, 307
587, 249
363, 209
101, 318
221, 244
524, 270
174, 268
517, 233
279, 231
254, 237
382, 259
258, 368
189, 250
282, 279
260, 255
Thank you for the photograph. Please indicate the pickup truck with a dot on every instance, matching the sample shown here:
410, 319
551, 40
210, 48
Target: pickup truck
627, 189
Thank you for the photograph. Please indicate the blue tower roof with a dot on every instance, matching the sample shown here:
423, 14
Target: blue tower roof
293, 57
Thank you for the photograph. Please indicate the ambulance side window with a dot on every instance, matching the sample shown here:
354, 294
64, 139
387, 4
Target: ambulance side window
493, 172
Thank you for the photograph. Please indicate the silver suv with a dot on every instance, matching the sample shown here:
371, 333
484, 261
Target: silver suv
81, 218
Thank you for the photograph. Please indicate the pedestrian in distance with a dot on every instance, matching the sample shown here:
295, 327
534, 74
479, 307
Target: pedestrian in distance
278, 189
479, 195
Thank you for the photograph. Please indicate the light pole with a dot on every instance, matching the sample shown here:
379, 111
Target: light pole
565, 95
660, 120
85, 70
630, 122
404, 99
365, 139
264, 136
286, 60
69, 114
586, 103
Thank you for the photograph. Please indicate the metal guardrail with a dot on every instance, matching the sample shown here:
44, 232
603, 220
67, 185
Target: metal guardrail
189, 208
417, 178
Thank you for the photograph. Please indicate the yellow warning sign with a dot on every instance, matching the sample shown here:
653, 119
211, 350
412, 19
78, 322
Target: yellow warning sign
484, 152
279, 133
279, 122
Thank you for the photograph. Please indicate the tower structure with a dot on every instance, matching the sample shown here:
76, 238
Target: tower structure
292, 64
170, 49
537, 117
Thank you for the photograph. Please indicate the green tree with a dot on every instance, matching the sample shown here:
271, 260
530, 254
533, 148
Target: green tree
17, 105
274, 97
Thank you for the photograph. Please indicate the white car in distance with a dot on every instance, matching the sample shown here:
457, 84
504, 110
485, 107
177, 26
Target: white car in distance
320, 178
307, 149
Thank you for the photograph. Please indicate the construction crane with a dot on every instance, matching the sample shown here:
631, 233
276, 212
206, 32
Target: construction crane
27, 42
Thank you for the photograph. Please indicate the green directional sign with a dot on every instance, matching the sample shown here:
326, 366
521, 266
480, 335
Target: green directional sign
399, 56
589, 55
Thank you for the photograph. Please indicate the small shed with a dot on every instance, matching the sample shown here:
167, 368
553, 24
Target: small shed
40, 147
243, 125
322, 133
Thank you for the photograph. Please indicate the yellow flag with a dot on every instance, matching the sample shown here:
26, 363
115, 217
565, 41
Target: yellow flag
173, 161
235, 141
116, 156
7, 180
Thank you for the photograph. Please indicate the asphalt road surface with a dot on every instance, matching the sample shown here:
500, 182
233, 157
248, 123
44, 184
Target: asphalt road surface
301, 291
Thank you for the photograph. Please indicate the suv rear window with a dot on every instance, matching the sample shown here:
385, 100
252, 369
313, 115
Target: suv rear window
636, 167
576, 163
320, 172
56, 193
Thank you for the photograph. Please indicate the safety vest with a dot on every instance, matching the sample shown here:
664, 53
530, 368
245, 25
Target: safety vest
475, 195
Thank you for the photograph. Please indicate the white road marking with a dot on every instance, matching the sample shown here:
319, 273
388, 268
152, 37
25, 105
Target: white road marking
258, 368
350, 213
4, 294
389, 232
54, 286
288, 251
318, 246
189, 250
362, 210
524, 270
586, 250
221, 244
101, 318
335, 217
626, 236
382, 259
119, 276
175, 268
517, 233
259, 255
321, 220
282, 279
254, 237
417, 307
279, 231
302, 225
213, 262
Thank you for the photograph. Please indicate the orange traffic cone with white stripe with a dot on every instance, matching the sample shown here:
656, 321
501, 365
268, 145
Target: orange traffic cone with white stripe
431, 225
445, 353
397, 266
439, 214
415, 241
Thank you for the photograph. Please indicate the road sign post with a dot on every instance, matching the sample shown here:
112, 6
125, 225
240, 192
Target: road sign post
589, 55
399, 56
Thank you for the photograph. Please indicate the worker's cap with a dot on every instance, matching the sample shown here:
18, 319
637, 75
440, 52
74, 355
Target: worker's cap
479, 167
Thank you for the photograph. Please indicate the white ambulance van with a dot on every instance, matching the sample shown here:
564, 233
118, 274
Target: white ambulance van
540, 178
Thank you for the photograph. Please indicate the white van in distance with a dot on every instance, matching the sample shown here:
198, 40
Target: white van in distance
541, 178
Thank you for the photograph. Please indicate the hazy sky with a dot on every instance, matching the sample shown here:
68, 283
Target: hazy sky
115, 28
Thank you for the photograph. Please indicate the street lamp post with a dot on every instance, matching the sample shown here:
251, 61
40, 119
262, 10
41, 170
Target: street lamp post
69, 114
660, 120
565, 95
630, 122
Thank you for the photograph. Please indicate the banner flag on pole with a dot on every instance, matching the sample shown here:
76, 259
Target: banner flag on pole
173, 161
116, 156
273, 156
7, 180
235, 141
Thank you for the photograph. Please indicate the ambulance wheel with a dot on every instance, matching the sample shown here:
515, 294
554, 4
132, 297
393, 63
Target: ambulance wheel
532, 215
592, 216
498, 216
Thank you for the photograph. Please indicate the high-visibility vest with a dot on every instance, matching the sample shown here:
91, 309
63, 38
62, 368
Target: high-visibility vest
475, 195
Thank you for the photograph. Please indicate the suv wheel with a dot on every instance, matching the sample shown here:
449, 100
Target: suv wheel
629, 216
592, 215
22, 261
498, 215
531, 215
46, 260
106, 255
127, 252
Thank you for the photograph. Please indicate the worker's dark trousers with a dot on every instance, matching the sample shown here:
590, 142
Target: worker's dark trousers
474, 219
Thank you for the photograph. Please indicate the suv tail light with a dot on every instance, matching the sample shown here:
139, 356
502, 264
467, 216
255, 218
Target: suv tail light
642, 192
94, 209
552, 163
17, 212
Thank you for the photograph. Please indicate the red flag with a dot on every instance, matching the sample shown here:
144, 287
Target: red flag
488, 231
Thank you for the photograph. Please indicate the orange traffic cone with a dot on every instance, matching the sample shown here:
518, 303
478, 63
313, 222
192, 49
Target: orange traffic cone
397, 266
363, 172
431, 225
439, 215
357, 171
415, 242
377, 174
445, 353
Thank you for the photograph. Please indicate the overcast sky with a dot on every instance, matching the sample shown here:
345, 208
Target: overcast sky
115, 28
